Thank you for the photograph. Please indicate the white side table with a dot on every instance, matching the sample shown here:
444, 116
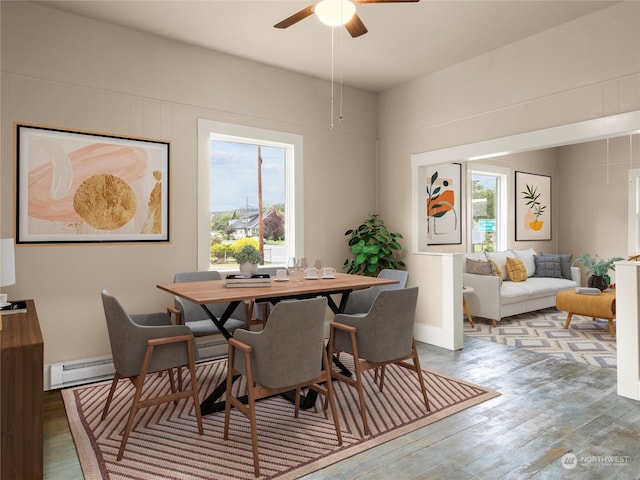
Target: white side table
466, 289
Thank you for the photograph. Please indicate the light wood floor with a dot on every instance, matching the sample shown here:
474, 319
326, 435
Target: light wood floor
548, 407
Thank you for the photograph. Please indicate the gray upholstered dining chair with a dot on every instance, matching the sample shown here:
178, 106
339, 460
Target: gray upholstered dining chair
148, 343
193, 316
258, 312
288, 354
382, 336
360, 301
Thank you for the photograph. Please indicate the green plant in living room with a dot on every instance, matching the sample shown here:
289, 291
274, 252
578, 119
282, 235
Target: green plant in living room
598, 269
373, 247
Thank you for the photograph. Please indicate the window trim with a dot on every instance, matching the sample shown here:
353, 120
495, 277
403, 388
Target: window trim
294, 191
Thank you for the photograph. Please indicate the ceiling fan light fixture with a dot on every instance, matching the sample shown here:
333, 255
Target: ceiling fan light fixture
335, 13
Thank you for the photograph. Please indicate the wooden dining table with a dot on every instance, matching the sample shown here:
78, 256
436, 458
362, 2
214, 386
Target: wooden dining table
205, 293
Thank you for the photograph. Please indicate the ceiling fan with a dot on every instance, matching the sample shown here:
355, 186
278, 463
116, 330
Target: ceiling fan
335, 13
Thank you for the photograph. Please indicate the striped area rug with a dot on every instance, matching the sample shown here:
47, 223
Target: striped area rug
585, 341
165, 443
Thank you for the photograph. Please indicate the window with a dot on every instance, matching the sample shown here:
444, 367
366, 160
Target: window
488, 207
234, 185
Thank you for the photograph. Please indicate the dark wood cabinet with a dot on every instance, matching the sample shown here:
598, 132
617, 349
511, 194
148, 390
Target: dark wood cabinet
21, 396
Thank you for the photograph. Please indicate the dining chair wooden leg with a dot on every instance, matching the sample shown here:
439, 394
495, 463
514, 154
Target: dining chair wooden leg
358, 382
382, 370
194, 386
416, 363
330, 395
135, 404
172, 382
112, 390
297, 403
134, 409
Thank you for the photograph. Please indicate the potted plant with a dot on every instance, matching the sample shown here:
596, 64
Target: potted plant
373, 247
598, 269
248, 258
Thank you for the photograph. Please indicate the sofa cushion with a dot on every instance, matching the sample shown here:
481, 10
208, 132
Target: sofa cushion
498, 271
480, 267
548, 266
473, 256
533, 288
513, 292
501, 260
516, 270
527, 258
565, 263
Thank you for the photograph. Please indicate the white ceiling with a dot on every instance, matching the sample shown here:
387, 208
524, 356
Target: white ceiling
405, 40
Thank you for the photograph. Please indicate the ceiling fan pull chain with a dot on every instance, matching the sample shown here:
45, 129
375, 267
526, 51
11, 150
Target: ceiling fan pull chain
332, 82
341, 70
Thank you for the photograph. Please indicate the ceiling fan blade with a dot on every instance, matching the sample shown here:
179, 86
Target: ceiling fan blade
355, 27
296, 17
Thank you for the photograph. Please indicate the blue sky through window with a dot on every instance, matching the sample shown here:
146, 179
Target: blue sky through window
234, 176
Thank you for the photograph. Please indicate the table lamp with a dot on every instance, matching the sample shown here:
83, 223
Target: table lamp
7, 267
7, 262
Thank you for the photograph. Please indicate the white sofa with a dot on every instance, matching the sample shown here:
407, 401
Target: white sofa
494, 301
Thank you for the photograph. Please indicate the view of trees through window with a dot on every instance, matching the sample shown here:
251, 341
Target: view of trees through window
247, 202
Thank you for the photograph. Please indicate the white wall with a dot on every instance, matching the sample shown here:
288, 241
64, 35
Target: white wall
67, 71
587, 68
594, 195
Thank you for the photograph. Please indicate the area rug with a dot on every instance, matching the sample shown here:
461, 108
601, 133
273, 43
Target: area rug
165, 443
585, 340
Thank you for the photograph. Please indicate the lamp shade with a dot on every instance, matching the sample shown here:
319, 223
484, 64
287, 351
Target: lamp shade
335, 12
7, 262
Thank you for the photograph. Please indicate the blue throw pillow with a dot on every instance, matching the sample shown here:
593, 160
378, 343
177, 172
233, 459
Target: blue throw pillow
547, 266
565, 263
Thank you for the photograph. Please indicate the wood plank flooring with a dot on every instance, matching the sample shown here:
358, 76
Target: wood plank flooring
548, 407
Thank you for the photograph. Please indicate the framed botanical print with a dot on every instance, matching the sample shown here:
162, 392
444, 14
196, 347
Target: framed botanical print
442, 204
532, 206
84, 187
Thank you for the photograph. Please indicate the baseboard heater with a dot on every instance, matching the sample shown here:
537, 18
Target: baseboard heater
88, 370
77, 372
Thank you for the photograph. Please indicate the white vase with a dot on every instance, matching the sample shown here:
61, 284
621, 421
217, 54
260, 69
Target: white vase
247, 269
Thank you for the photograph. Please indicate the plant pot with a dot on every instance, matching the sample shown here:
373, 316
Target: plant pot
248, 269
598, 281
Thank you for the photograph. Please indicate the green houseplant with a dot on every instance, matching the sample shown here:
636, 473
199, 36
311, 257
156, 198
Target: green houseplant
248, 257
373, 247
598, 269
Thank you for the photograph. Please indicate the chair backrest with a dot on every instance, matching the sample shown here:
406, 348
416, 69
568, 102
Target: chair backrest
288, 351
360, 301
122, 334
386, 331
401, 275
128, 339
192, 312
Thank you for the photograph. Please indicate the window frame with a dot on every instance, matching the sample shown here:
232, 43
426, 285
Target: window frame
294, 191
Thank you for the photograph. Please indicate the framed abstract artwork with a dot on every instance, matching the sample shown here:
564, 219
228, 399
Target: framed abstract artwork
532, 206
84, 187
441, 205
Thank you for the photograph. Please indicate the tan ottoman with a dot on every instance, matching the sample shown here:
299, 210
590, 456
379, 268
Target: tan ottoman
594, 306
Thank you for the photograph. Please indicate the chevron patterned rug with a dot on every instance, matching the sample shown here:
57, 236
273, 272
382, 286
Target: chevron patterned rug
165, 443
585, 340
